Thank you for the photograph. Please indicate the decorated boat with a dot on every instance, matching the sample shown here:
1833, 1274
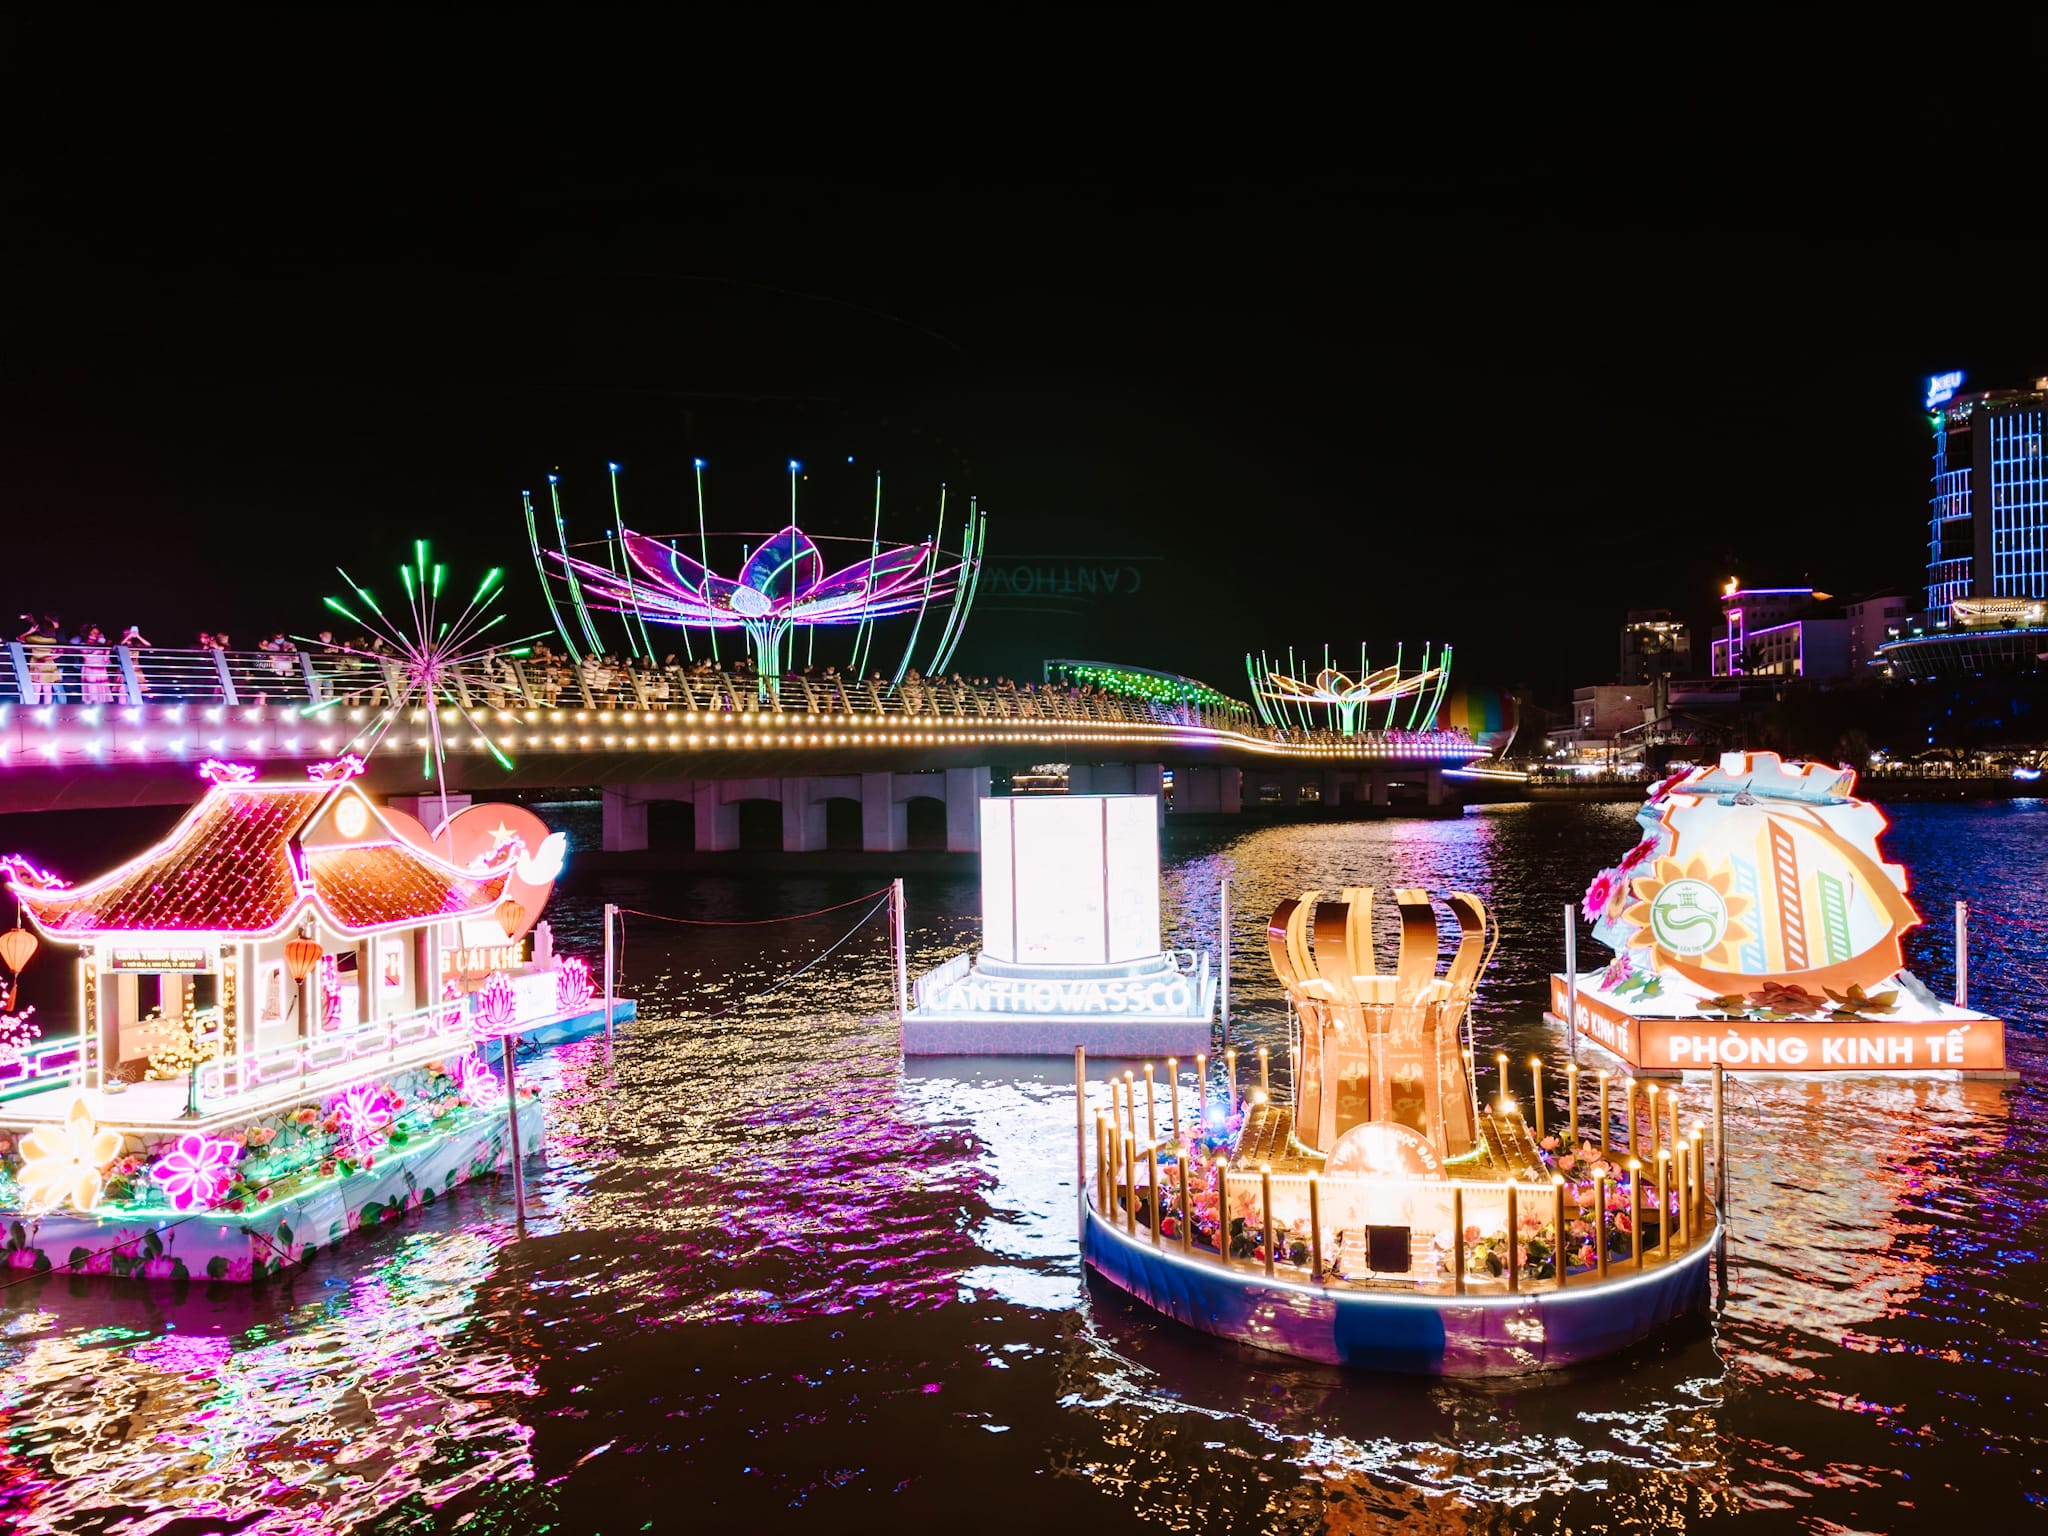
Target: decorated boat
296, 1021
1757, 926
1381, 1215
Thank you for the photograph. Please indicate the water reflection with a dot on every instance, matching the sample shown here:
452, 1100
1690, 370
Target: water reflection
771, 1268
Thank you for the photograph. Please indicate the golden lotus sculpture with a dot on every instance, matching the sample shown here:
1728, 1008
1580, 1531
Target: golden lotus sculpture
1381, 1049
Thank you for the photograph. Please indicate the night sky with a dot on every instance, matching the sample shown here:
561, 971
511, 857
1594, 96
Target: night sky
1349, 336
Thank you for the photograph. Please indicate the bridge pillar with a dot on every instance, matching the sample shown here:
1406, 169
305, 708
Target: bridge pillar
625, 822
1436, 785
884, 823
965, 790
803, 817
1204, 789
718, 824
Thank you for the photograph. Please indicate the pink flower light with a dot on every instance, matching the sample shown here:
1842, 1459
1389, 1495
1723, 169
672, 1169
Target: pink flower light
196, 1172
496, 1003
363, 1110
572, 984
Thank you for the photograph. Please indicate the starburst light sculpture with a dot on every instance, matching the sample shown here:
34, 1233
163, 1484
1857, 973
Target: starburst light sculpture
427, 653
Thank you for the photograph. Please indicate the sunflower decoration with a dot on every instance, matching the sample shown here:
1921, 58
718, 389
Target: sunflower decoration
1689, 913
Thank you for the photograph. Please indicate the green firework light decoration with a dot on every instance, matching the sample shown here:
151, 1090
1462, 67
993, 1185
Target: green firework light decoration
427, 654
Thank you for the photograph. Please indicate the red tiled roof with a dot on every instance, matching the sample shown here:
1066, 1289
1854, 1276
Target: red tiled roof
228, 868
383, 883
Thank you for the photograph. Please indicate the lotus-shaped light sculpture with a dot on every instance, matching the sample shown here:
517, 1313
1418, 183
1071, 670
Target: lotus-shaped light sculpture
1348, 697
782, 585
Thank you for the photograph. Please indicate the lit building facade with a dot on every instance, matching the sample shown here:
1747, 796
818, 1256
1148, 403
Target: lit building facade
1873, 621
1776, 632
1988, 511
1653, 645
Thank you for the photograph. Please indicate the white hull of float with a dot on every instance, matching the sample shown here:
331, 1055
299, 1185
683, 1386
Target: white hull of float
263, 1241
1401, 1328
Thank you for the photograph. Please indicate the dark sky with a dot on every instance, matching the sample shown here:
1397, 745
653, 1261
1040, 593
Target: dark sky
1478, 336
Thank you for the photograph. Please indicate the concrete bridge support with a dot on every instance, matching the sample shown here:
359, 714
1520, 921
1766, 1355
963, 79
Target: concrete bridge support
884, 800
1119, 779
1216, 791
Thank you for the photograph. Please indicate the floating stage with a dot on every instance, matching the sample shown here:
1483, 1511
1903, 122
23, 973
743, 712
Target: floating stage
301, 1016
1384, 1218
1757, 927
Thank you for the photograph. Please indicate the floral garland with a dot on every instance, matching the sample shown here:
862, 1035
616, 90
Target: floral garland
276, 1157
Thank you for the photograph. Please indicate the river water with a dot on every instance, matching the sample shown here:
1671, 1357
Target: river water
772, 1274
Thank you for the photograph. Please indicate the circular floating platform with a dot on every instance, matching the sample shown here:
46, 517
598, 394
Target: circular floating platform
1397, 1325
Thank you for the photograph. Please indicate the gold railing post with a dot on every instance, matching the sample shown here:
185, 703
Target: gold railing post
1600, 1224
1628, 1107
1660, 1189
1131, 1103
1671, 1107
1173, 1073
1500, 1060
1656, 1139
1131, 1185
1266, 1212
1560, 1237
1152, 1194
1514, 1240
1684, 1195
1187, 1206
1635, 1210
1536, 1080
1201, 1092
1720, 1167
1223, 1212
1315, 1228
1571, 1096
1266, 1072
1151, 1110
1457, 1239
1230, 1068
1606, 1130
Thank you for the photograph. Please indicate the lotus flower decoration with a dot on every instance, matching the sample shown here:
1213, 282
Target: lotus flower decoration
1347, 697
782, 584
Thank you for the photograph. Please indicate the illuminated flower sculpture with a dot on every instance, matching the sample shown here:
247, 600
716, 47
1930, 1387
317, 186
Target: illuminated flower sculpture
783, 584
67, 1162
572, 983
474, 1081
497, 1005
196, 1172
1350, 701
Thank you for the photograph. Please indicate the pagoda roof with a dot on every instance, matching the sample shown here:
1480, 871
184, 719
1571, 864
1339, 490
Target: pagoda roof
251, 859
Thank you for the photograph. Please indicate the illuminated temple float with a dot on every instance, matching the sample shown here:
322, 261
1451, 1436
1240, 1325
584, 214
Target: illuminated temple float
1386, 1218
1757, 926
295, 1012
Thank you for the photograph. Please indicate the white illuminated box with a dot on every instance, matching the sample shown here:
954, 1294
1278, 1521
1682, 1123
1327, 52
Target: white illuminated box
1070, 879
1070, 950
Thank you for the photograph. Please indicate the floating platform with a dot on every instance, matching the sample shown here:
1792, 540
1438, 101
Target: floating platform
924, 1035
1411, 1328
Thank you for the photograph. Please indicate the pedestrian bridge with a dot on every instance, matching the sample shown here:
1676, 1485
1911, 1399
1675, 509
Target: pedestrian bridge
130, 726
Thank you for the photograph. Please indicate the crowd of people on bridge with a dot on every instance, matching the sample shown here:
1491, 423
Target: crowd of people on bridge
54, 667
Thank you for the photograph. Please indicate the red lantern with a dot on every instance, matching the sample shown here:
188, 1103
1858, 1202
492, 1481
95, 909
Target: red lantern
300, 956
510, 915
17, 948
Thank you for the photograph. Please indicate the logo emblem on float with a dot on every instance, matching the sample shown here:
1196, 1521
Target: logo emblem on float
1688, 917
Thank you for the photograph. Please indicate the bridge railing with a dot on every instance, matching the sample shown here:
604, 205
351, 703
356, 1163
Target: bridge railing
37, 675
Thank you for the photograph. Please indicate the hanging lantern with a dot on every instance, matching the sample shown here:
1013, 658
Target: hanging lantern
17, 947
300, 956
510, 915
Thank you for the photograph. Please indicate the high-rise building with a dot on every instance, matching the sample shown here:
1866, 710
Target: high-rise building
1653, 645
1873, 621
1988, 514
